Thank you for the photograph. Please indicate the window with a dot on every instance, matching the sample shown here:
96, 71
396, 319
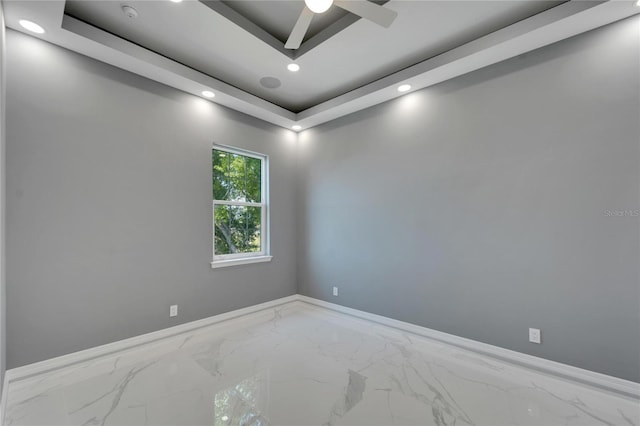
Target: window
240, 207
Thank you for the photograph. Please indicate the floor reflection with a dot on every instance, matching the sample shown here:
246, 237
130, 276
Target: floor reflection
298, 365
244, 404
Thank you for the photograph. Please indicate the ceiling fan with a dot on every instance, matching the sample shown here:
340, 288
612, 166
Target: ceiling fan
363, 8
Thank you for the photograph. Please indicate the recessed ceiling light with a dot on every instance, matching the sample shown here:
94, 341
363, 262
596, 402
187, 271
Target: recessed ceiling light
293, 67
296, 127
31, 26
404, 88
638, 3
177, 1
208, 94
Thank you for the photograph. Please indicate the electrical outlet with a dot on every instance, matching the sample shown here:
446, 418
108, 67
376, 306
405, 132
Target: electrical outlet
335, 291
173, 310
535, 336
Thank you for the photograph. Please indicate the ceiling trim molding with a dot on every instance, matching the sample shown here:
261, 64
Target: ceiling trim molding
539, 30
553, 25
122, 53
261, 34
561, 22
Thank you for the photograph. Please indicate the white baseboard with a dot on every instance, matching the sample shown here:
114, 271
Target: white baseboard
601, 381
591, 378
41, 367
3, 399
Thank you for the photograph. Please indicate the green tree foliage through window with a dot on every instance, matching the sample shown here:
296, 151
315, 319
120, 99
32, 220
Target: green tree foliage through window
238, 208
236, 177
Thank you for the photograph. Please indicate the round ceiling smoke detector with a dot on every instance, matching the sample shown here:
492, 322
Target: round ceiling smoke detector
130, 11
270, 82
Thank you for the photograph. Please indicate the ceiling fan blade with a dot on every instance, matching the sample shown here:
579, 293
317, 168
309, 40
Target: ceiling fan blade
300, 29
371, 11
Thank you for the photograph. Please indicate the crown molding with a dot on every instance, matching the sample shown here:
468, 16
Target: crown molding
566, 20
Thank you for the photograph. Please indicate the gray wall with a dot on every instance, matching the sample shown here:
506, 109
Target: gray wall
109, 204
478, 207
3, 304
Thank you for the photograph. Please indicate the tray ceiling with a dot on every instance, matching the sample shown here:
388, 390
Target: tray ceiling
277, 17
344, 68
197, 36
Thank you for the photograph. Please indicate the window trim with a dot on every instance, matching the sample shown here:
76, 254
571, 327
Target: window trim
263, 255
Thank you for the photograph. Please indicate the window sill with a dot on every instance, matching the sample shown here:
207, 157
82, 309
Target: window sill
240, 261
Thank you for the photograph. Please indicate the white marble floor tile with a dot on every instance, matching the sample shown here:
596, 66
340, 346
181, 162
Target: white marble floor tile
298, 365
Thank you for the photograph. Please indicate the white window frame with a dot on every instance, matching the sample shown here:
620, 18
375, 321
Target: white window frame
222, 260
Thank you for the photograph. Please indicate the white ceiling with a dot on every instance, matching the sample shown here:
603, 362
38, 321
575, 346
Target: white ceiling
191, 47
278, 17
195, 35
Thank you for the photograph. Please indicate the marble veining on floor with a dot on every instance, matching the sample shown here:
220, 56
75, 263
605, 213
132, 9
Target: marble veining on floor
302, 365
